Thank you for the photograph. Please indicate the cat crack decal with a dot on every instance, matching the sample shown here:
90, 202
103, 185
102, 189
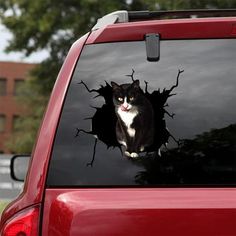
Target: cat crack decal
131, 119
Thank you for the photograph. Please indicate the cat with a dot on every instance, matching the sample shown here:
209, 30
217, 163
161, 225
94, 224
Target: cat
135, 124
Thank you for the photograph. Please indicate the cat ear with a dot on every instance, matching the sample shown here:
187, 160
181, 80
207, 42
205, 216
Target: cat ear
136, 84
114, 85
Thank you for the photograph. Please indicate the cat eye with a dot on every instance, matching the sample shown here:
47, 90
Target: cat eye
131, 98
120, 99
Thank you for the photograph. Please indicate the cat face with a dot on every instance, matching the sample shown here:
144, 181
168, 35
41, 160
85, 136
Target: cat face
125, 96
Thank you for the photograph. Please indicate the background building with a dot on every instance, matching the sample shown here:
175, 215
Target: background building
12, 75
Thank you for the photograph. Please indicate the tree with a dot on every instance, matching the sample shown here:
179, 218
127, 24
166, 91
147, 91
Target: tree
25, 129
54, 25
208, 158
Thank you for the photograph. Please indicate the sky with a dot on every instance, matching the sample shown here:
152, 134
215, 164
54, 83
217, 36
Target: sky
5, 36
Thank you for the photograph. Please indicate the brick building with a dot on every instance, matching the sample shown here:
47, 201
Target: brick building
12, 75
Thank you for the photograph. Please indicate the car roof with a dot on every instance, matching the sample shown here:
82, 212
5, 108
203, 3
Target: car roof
124, 16
184, 28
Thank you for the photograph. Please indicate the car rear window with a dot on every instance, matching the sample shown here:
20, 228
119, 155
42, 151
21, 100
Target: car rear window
191, 138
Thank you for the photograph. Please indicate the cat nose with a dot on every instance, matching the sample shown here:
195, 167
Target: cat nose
126, 106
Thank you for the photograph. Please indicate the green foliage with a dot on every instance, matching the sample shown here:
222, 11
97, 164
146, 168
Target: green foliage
54, 25
3, 204
25, 129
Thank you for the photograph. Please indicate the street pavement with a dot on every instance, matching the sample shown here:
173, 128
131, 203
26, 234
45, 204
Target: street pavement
9, 189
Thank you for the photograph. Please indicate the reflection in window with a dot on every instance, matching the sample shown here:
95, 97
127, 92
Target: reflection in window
2, 123
18, 86
3, 86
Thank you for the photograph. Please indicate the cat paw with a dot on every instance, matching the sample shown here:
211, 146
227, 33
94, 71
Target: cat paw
134, 155
127, 154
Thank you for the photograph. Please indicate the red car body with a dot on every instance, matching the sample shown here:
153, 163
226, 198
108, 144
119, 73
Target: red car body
121, 211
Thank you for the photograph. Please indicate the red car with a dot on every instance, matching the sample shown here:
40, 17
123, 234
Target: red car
139, 137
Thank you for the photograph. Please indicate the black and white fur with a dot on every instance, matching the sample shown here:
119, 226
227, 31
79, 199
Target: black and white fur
135, 125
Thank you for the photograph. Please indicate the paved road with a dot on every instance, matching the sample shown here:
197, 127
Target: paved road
9, 189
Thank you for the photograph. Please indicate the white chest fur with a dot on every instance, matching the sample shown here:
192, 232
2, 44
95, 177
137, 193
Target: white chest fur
128, 118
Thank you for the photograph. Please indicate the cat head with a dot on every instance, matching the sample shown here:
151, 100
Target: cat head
125, 96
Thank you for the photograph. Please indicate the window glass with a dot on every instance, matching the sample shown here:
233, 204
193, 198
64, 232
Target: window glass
3, 86
129, 122
2, 123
